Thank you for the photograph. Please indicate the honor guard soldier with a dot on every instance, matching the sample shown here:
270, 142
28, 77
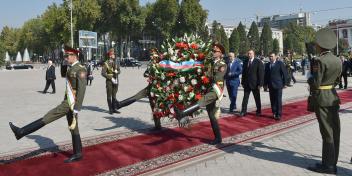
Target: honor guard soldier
212, 99
325, 73
110, 71
143, 93
70, 106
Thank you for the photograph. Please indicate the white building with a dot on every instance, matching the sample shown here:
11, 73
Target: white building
281, 21
344, 28
276, 34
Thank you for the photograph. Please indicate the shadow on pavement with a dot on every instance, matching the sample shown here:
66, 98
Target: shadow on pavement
95, 108
45, 145
274, 154
128, 122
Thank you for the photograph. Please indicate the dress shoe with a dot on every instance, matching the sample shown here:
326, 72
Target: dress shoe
258, 114
277, 117
319, 168
242, 114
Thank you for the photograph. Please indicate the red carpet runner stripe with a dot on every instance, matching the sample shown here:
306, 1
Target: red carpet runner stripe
117, 154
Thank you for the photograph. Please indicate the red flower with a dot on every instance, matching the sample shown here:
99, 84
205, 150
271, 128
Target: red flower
205, 80
180, 106
194, 46
171, 74
201, 56
182, 45
198, 96
190, 89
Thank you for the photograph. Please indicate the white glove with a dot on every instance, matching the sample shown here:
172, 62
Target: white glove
114, 81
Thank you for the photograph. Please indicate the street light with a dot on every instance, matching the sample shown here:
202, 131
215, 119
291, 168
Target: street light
71, 7
337, 40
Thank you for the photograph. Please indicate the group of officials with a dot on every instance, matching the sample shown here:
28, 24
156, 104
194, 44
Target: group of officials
326, 70
255, 75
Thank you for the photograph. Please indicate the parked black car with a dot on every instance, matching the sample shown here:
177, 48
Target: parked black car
19, 66
130, 63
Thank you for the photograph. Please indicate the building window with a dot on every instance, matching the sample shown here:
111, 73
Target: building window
344, 33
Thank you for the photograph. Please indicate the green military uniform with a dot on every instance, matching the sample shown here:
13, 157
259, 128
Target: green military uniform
288, 64
141, 94
326, 70
110, 72
212, 98
76, 78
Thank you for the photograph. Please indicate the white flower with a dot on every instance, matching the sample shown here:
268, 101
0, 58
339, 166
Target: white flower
155, 82
182, 79
203, 88
194, 82
152, 94
173, 58
176, 82
168, 82
170, 51
162, 77
199, 71
185, 88
180, 97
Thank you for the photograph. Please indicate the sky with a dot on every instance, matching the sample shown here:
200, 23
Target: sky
14, 13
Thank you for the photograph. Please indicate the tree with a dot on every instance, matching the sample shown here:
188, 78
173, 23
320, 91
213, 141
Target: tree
276, 46
215, 31
223, 39
9, 38
56, 26
253, 37
266, 40
161, 18
191, 18
32, 36
296, 36
85, 15
243, 48
234, 41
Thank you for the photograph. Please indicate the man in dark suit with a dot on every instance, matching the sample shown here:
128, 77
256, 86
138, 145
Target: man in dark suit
252, 81
50, 77
234, 70
345, 66
275, 78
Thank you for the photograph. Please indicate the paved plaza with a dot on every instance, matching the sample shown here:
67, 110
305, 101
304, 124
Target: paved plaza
286, 153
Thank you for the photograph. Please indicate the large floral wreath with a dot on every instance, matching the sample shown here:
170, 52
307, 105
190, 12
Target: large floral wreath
178, 74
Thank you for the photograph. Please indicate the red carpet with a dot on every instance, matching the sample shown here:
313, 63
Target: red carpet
112, 155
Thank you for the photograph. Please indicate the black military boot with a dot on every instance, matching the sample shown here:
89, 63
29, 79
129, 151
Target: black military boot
110, 106
180, 115
186, 112
113, 105
125, 102
157, 124
320, 168
77, 149
30, 128
216, 131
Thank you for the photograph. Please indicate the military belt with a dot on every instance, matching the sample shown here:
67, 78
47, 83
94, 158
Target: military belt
326, 87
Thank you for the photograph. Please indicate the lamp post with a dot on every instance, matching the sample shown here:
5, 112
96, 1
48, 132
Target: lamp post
71, 7
337, 40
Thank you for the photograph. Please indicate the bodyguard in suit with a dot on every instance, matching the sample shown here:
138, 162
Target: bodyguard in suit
325, 101
275, 79
234, 70
345, 66
69, 107
50, 77
252, 81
